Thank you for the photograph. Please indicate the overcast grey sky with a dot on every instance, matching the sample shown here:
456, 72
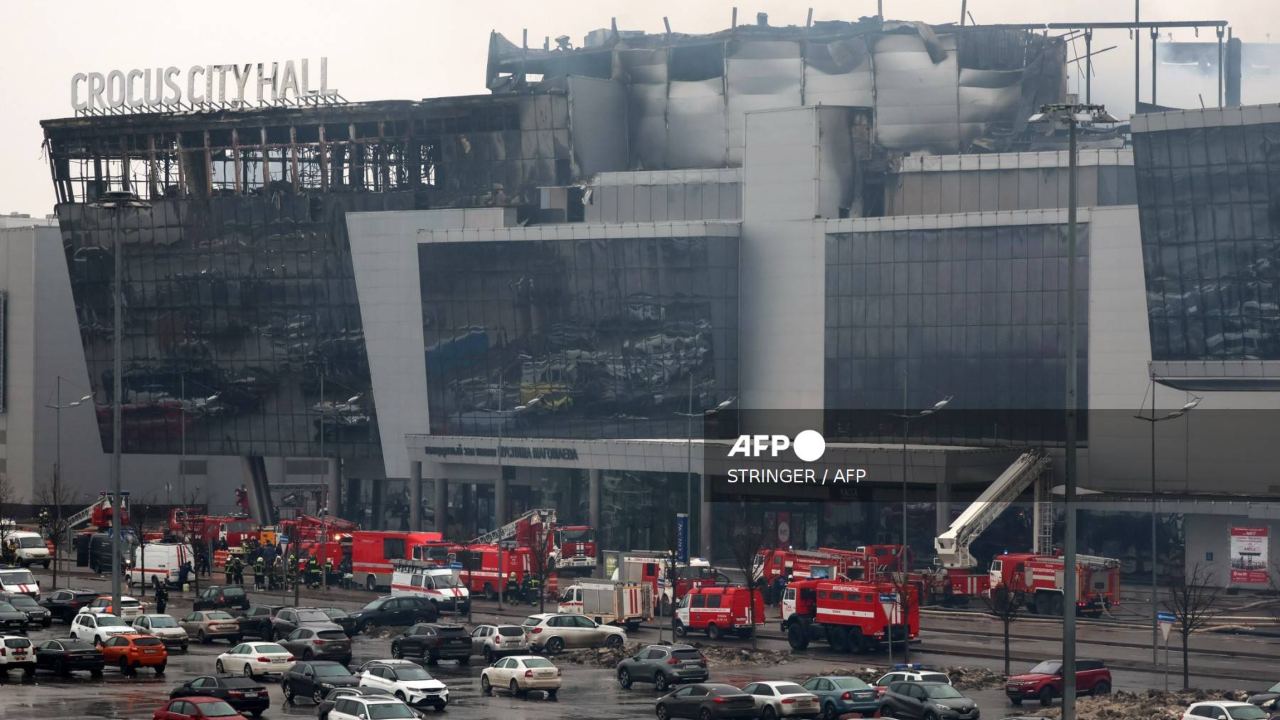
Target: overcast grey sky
385, 49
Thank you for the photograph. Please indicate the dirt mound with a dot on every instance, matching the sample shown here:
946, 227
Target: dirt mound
717, 655
1148, 705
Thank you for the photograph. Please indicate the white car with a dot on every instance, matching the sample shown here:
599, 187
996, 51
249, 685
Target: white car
18, 654
494, 641
913, 674
364, 708
1224, 710
252, 659
29, 548
130, 607
520, 674
98, 628
554, 632
774, 698
20, 582
163, 627
406, 680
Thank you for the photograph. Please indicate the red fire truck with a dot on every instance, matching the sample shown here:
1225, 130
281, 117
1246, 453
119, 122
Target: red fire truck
719, 609
486, 568
650, 566
194, 525
849, 616
567, 547
373, 551
1038, 580
573, 548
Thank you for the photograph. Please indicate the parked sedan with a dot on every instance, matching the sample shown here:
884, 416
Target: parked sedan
314, 679
706, 701
11, 618
554, 632
243, 694
664, 666
36, 614
1267, 699
67, 655
196, 708
253, 659
495, 641
921, 700
165, 628
319, 643
839, 694
210, 625
130, 652
64, 605
433, 642
774, 699
289, 619
521, 673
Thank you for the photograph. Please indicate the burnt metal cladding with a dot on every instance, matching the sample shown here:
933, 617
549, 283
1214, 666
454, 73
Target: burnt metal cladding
238, 285
605, 335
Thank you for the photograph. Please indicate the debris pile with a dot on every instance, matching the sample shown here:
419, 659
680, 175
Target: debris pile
1148, 705
717, 655
964, 677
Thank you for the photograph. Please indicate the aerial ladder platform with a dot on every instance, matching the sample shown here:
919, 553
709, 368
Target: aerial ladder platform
953, 545
508, 531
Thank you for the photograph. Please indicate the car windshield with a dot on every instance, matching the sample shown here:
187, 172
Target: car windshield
162, 621
411, 672
941, 692
446, 581
110, 621
331, 635
17, 642
271, 648
935, 677
312, 616
129, 602
218, 615
6, 607
389, 711
233, 592
1048, 667
217, 709
538, 663
532, 621
375, 604
689, 654
510, 631
22, 601
789, 689
576, 535
850, 683
17, 577
334, 670
334, 613
1274, 688
147, 642
30, 542
1247, 712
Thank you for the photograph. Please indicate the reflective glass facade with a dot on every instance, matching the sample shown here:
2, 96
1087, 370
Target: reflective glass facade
608, 335
1210, 215
978, 313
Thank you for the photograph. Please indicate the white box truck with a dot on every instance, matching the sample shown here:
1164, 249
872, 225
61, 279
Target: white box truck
613, 603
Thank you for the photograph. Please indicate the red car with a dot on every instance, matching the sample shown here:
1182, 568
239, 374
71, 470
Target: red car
192, 708
1044, 681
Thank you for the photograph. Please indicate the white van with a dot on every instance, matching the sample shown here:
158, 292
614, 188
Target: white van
20, 582
159, 559
29, 548
439, 585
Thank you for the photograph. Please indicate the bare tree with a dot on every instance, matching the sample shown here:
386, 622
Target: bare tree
58, 502
541, 563
1192, 601
140, 514
902, 585
745, 542
1007, 606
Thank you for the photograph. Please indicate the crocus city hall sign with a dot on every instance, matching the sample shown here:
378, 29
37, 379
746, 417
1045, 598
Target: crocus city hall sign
203, 87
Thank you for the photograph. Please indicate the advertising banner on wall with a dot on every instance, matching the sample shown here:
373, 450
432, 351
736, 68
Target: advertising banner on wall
1249, 555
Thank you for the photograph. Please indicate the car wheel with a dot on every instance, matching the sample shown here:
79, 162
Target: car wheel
705, 714
661, 711
29, 672
125, 669
62, 668
713, 632
930, 716
554, 646
288, 693
680, 630
1046, 696
400, 696
485, 687
551, 694
370, 584
247, 671
160, 668
488, 656
769, 713
431, 658
464, 660
1102, 688
624, 679
234, 640
95, 673
514, 688
269, 635
613, 641
1015, 701
204, 638
46, 622
317, 696
829, 712
396, 652
660, 682
308, 655
218, 666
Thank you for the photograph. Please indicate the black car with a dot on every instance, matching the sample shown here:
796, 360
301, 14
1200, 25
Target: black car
243, 694
36, 615
433, 642
256, 621
388, 610
99, 552
704, 701
222, 597
11, 618
1268, 699
289, 619
323, 708
64, 604
66, 655
341, 618
320, 642
314, 679
663, 665
925, 700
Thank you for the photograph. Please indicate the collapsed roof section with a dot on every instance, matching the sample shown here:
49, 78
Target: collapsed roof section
932, 88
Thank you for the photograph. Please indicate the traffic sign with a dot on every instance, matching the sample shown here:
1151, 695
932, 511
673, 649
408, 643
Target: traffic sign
1165, 621
682, 537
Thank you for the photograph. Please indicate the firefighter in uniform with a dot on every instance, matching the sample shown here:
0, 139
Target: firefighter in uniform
291, 570
328, 572
229, 570
277, 573
532, 587
313, 572
258, 567
513, 586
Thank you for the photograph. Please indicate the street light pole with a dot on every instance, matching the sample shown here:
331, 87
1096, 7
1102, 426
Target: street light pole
689, 415
57, 489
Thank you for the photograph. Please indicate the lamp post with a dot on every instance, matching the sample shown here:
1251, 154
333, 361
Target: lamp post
1152, 419
688, 473
906, 418
116, 202
57, 489
1070, 115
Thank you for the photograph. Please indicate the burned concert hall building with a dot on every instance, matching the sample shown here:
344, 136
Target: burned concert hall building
443, 312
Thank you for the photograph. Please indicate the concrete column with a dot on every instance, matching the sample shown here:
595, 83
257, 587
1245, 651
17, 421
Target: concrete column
500, 513
440, 502
333, 485
379, 504
942, 507
704, 519
415, 495
593, 513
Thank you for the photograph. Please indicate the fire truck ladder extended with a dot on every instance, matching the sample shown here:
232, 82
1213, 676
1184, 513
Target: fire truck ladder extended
953, 545
508, 531
103, 505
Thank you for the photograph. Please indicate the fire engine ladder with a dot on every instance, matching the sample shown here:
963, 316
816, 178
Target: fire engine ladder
952, 546
508, 531
1043, 517
86, 514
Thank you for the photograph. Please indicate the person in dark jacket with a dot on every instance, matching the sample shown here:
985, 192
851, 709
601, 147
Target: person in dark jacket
162, 593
